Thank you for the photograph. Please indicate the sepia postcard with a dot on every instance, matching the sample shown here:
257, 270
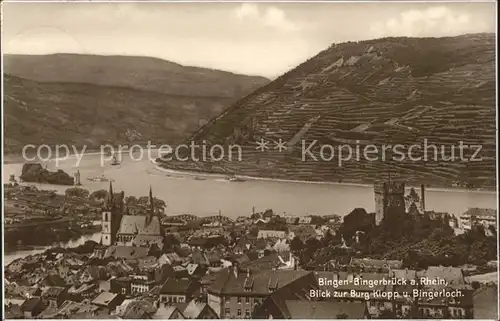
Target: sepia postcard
250, 160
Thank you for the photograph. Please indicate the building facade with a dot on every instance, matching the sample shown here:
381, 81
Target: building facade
388, 195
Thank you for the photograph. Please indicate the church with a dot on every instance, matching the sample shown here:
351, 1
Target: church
121, 228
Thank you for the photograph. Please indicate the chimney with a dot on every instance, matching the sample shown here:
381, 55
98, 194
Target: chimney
235, 270
422, 198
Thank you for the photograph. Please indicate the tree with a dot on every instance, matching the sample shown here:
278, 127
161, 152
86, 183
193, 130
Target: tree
357, 220
99, 195
296, 245
335, 218
77, 192
268, 213
277, 223
131, 200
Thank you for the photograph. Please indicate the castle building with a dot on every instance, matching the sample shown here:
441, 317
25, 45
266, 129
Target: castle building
418, 200
388, 195
120, 228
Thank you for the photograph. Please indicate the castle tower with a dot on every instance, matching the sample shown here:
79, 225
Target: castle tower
388, 194
110, 221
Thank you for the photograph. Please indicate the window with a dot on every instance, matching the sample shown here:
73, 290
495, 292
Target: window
247, 313
227, 311
239, 312
227, 298
124, 290
247, 299
239, 299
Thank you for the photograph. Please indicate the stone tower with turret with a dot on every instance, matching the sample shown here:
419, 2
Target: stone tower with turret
111, 218
388, 194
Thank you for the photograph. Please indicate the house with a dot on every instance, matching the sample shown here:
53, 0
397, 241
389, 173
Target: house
235, 295
13, 311
305, 220
168, 312
485, 300
71, 309
478, 216
169, 258
196, 270
303, 232
32, 307
452, 275
85, 291
141, 284
199, 310
274, 307
108, 300
136, 309
146, 264
291, 220
367, 264
177, 291
54, 295
126, 252
269, 262
281, 246
121, 285
162, 272
357, 291
265, 234
296, 309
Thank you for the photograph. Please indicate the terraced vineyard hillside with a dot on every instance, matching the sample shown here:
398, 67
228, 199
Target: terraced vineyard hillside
382, 92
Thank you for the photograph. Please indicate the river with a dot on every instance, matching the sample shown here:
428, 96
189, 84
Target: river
184, 194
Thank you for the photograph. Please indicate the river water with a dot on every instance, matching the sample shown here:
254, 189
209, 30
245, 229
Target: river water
184, 194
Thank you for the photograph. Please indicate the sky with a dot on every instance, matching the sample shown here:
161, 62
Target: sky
264, 39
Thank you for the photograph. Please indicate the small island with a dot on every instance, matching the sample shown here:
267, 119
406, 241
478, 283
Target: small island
36, 173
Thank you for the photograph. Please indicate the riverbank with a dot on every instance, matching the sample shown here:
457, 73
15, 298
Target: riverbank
28, 239
195, 174
10, 256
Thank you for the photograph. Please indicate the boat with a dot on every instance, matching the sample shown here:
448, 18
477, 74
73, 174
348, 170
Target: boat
115, 161
102, 178
199, 178
234, 178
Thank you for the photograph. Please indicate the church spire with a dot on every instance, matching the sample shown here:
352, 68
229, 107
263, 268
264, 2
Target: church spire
151, 201
110, 195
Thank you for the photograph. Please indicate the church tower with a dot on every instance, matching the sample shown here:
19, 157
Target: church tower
110, 221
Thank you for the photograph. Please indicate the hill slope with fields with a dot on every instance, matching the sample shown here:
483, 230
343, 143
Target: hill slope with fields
408, 91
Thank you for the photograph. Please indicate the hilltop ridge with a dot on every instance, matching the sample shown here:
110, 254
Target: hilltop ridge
93, 100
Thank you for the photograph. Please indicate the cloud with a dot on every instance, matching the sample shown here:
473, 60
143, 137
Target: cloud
270, 16
432, 22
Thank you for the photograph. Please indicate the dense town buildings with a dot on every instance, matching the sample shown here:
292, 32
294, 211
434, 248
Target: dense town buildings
218, 268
